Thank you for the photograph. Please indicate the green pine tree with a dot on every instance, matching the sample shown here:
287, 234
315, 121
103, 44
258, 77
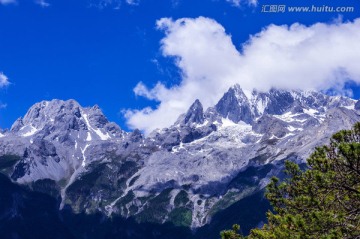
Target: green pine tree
322, 201
232, 234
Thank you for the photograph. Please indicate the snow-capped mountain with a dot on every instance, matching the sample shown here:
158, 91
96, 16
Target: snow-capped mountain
207, 161
54, 139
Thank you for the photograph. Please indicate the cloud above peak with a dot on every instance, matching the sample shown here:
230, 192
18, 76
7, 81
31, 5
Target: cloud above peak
317, 57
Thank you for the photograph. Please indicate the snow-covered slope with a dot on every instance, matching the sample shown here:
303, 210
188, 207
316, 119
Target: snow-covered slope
55, 137
208, 160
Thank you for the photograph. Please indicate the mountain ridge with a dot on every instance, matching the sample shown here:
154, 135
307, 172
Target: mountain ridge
190, 170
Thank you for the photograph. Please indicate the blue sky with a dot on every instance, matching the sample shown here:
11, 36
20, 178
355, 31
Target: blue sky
97, 52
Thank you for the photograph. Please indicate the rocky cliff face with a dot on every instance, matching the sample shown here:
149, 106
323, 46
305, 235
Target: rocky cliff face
54, 139
185, 174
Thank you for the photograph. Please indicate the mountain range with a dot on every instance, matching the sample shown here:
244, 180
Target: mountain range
202, 174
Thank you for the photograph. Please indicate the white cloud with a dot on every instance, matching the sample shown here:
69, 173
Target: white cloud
6, 2
102, 4
3, 106
175, 3
153, 94
133, 2
234, 2
320, 57
4, 80
115, 4
42, 3
237, 3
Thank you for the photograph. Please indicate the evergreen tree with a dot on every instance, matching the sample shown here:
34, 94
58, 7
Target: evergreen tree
322, 201
232, 234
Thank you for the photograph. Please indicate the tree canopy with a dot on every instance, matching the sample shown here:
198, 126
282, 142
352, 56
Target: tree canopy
321, 202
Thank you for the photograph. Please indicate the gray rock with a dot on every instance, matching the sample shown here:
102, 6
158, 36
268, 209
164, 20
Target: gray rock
235, 106
195, 114
357, 105
213, 158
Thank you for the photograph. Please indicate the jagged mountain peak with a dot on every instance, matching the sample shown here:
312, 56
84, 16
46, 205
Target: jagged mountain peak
49, 110
239, 105
237, 92
195, 114
198, 157
17, 125
57, 136
59, 117
235, 105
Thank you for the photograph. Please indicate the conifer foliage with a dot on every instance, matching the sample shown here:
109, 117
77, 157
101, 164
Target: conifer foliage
321, 202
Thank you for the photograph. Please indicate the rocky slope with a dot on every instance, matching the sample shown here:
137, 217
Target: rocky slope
186, 174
